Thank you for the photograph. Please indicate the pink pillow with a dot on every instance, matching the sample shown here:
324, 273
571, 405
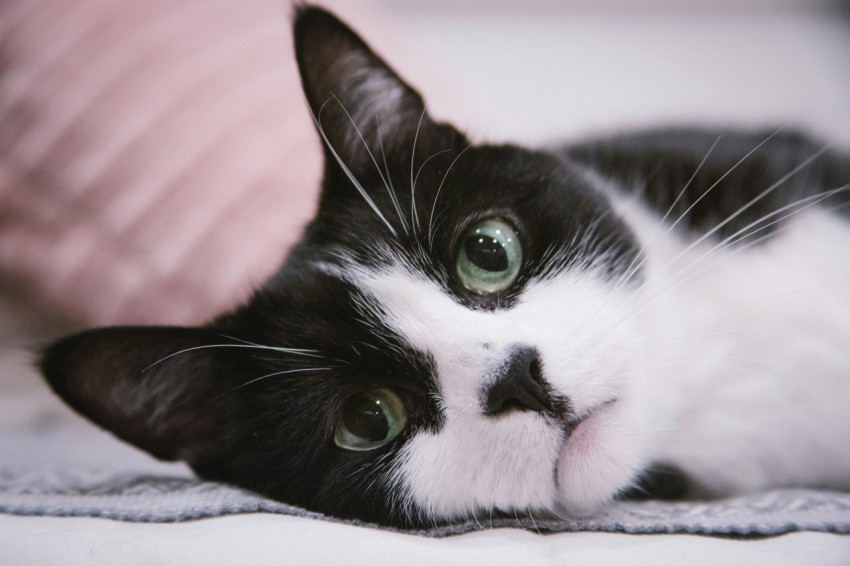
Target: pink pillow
156, 158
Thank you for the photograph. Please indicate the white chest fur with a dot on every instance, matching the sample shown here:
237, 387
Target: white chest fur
752, 347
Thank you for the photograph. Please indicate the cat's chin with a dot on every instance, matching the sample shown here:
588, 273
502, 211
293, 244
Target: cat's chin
600, 457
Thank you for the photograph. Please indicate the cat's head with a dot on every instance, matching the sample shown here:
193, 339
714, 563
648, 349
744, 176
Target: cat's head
448, 338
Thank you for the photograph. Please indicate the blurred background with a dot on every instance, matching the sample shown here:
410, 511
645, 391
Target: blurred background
545, 70
157, 159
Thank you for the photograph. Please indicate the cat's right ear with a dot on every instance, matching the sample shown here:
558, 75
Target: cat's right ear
362, 108
155, 387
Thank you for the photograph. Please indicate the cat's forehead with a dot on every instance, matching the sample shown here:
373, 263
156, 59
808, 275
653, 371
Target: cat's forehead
408, 195
418, 211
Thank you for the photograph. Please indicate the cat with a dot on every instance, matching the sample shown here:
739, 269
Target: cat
470, 329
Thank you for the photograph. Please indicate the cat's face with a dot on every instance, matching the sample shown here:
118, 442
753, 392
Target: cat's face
449, 338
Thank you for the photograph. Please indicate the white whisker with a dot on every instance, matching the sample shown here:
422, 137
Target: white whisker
388, 180
437, 195
286, 372
682, 216
347, 171
419, 170
685, 274
293, 351
414, 217
641, 258
718, 181
750, 203
678, 279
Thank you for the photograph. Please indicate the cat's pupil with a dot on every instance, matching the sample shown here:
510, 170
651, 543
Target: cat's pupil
486, 253
365, 418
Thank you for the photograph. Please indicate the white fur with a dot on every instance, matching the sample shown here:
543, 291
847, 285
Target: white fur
519, 461
758, 387
740, 375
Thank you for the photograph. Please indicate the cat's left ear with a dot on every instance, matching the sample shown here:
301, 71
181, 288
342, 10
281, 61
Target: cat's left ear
359, 104
156, 387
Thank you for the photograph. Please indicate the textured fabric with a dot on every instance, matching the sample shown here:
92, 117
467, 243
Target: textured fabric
131, 497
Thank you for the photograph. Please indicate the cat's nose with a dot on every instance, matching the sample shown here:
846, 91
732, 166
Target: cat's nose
519, 385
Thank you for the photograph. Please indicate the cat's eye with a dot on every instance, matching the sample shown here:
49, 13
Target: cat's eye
489, 257
370, 420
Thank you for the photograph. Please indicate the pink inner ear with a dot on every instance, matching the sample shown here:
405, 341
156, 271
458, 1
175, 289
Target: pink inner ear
156, 159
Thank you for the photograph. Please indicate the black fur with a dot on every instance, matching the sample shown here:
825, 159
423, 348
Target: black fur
739, 166
660, 481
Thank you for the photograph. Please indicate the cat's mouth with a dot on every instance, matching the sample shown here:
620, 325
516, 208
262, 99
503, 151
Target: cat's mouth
595, 459
577, 421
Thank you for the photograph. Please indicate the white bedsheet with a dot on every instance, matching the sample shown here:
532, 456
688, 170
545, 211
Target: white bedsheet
274, 539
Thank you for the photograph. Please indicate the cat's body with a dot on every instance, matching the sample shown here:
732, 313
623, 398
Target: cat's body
749, 302
472, 329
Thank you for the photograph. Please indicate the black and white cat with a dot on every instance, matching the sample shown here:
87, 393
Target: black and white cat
483, 329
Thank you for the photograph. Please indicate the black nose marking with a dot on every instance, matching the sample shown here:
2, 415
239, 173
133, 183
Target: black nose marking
519, 385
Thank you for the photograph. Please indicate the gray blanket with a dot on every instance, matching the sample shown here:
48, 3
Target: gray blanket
154, 498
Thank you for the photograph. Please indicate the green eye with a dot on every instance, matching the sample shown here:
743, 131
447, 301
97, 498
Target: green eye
370, 420
489, 257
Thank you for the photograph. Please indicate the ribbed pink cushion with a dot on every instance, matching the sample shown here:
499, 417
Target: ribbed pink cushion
156, 157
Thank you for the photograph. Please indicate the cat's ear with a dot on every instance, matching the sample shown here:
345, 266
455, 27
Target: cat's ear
360, 105
154, 387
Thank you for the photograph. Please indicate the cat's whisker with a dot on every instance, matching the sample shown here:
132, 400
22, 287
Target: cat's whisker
747, 205
530, 513
285, 372
414, 217
388, 180
384, 178
639, 488
753, 228
312, 352
439, 189
372, 471
347, 171
641, 258
516, 515
435, 228
758, 197
424, 163
559, 513
476, 521
686, 274
416, 180
293, 351
718, 181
